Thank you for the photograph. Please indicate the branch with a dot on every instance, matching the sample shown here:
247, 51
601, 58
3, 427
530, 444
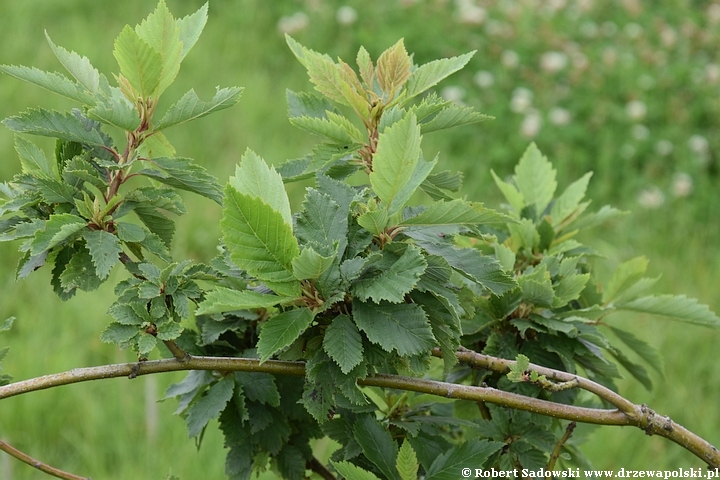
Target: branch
559, 446
43, 467
639, 416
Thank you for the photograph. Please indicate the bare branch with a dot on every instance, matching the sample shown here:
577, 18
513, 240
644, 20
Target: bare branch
559, 446
43, 467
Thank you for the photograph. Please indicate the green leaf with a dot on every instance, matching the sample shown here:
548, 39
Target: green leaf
182, 173
190, 107
377, 445
537, 287
472, 452
451, 116
511, 193
535, 178
80, 273
395, 277
129, 232
323, 222
58, 229
104, 249
626, 275
457, 212
304, 104
343, 343
259, 387
407, 463
116, 110
157, 145
79, 67
227, 300
209, 405
158, 224
282, 330
567, 203
483, 269
393, 67
398, 167
335, 128
127, 314
118, 334
430, 74
33, 159
260, 241
255, 178
402, 327
646, 351
676, 307
65, 126
139, 63
350, 471
146, 343
310, 264
603, 215
161, 32
374, 221
52, 81
569, 288
190, 27
637, 371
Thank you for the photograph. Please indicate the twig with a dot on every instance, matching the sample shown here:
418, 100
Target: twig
43, 467
639, 416
316, 466
559, 446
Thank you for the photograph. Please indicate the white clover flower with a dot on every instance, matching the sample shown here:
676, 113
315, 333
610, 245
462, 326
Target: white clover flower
553, 62
510, 59
682, 185
640, 132
609, 56
668, 36
469, 13
589, 29
580, 61
521, 100
633, 30
609, 28
636, 110
453, 93
346, 15
646, 82
531, 124
698, 144
294, 23
663, 147
559, 116
585, 5
651, 198
557, 4
484, 79
713, 13
627, 151
494, 28
712, 72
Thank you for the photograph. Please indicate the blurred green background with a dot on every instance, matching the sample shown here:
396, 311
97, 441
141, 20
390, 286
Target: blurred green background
628, 89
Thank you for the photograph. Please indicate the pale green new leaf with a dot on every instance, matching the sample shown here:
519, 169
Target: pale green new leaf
570, 199
255, 178
184, 174
407, 462
457, 212
343, 343
677, 307
209, 406
430, 74
282, 330
505, 256
325, 74
646, 351
227, 300
33, 159
535, 178
569, 288
394, 282
58, 229
350, 471
190, 27
626, 275
79, 67
52, 81
374, 221
402, 327
603, 215
190, 107
161, 32
116, 110
511, 193
310, 264
453, 115
331, 130
65, 126
104, 249
305, 104
157, 145
260, 241
393, 67
398, 167
139, 63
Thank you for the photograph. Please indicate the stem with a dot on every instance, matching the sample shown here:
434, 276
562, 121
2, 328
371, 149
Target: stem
639, 416
43, 467
559, 446
316, 466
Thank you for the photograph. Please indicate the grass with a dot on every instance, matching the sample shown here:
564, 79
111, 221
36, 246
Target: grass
114, 429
